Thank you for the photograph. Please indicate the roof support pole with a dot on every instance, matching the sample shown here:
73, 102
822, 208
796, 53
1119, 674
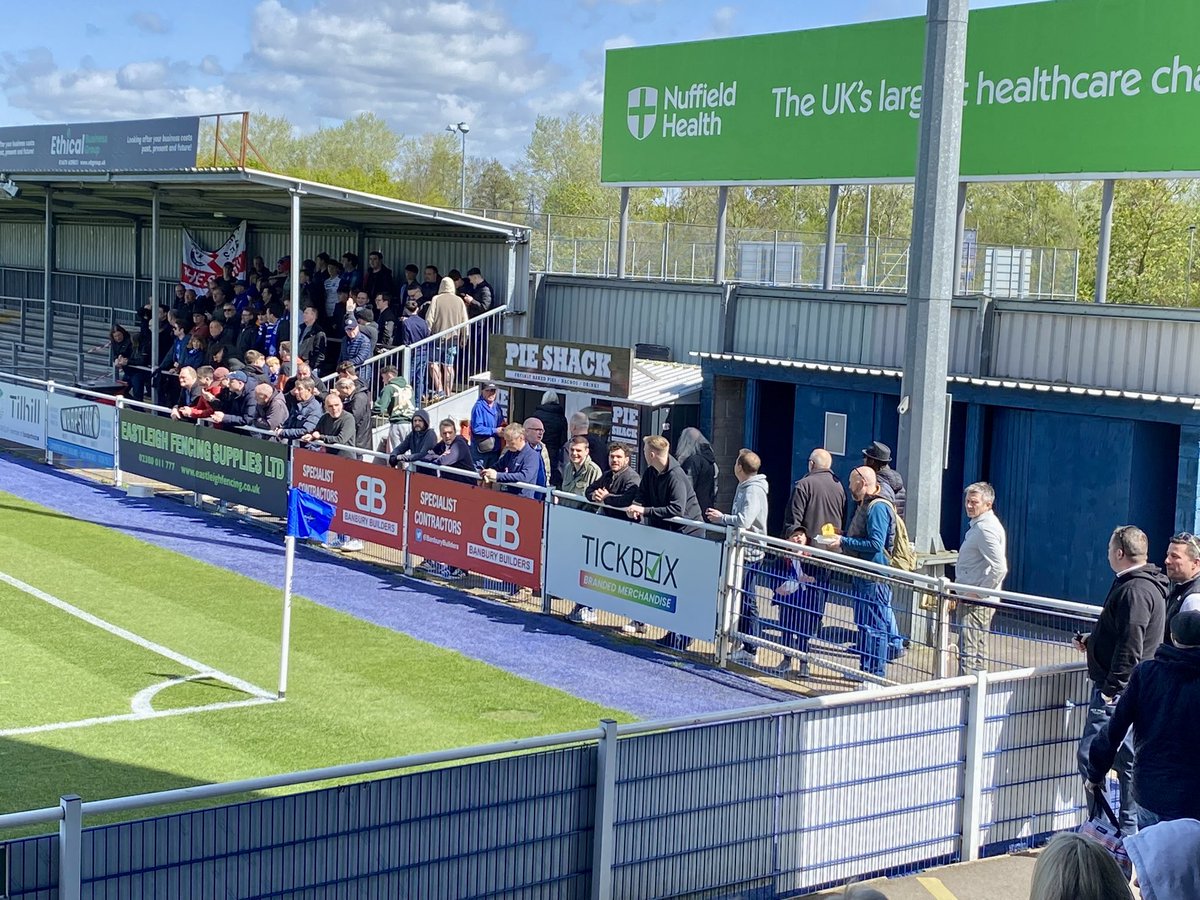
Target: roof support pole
931, 270
155, 353
722, 222
294, 285
622, 233
1102, 249
831, 237
48, 282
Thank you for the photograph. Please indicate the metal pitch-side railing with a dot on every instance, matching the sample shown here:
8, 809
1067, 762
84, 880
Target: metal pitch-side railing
777, 800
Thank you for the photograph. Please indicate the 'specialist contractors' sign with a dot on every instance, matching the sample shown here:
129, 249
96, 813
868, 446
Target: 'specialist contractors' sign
157, 144
1072, 88
234, 467
368, 499
561, 365
647, 574
490, 532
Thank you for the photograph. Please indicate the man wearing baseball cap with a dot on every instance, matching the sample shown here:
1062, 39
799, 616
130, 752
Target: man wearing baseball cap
356, 348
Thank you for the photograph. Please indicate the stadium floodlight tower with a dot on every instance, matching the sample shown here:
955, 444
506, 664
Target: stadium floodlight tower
462, 128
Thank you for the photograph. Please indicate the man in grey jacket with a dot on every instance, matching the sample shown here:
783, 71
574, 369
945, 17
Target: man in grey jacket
749, 514
983, 562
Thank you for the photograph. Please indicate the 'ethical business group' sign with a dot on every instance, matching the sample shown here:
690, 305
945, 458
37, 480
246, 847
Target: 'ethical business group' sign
561, 365
1071, 88
224, 464
647, 574
100, 146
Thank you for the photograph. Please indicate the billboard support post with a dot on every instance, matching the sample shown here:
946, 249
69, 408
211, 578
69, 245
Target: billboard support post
48, 282
831, 237
1105, 243
155, 350
960, 233
722, 224
623, 233
931, 275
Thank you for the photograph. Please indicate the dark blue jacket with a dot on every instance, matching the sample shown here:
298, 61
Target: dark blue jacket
519, 465
1162, 705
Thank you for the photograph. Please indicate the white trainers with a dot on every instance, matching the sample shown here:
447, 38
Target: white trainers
743, 657
333, 543
353, 545
582, 615
633, 628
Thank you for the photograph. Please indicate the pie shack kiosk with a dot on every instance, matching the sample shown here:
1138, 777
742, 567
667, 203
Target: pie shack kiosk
624, 398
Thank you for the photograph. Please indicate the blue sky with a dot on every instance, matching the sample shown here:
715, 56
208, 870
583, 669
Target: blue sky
418, 63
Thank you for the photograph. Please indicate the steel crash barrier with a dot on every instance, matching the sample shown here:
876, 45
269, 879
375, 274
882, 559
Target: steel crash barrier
910, 765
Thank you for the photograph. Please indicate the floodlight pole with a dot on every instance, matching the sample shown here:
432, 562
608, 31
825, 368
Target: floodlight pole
1105, 242
722, 228
830, 237
931, 270
1191, 257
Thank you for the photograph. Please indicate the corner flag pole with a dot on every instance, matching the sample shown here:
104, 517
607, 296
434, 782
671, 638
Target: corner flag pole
289, 558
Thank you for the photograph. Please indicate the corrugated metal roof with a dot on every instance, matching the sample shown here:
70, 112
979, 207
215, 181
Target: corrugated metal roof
1011, 384
237, 193
653, 383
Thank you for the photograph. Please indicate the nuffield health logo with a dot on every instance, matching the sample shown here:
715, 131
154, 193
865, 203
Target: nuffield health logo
643, 111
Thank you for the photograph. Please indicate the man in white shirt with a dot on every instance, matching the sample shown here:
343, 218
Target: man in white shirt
983, 562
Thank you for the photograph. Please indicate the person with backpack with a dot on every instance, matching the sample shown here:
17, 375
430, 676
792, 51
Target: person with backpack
982, 562
873, 535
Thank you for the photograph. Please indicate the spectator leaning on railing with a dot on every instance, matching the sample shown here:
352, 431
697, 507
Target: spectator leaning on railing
519, 463
395, 403
358, 405
306, 411
418, 443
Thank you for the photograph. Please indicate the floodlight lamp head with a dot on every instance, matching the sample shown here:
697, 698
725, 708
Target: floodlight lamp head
9, 187
463, 127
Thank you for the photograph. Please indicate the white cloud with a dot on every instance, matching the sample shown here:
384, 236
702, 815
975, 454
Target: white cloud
149, 22
621, 40
722, 20
210, 65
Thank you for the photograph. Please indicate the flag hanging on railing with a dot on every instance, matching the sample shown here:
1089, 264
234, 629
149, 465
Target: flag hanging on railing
308, 516
199, 264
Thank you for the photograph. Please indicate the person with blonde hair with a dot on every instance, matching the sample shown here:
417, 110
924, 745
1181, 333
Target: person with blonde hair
1075, 867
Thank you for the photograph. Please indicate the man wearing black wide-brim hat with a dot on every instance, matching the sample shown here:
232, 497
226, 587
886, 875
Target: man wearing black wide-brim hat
879, 457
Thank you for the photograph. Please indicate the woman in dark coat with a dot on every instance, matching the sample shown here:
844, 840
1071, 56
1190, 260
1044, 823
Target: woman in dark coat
695, 454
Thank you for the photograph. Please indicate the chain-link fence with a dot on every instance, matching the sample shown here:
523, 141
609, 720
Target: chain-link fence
672, 251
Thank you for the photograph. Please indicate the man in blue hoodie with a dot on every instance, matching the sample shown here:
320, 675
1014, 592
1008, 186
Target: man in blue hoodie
871, 532
749, 514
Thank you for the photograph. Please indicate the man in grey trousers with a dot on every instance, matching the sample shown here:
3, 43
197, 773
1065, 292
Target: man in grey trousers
983, 562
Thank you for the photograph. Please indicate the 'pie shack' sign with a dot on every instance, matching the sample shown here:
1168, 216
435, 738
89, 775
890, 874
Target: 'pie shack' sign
561, 365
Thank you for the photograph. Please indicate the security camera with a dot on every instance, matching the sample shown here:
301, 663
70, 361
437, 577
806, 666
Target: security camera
10, 188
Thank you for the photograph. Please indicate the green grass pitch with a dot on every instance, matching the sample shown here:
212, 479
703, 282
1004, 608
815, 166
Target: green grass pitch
356, 691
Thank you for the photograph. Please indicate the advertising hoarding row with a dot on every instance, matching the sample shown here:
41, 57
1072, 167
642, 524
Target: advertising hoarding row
1071, 89
145, 144
233, 467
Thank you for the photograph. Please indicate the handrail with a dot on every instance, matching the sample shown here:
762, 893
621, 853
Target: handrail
421, 464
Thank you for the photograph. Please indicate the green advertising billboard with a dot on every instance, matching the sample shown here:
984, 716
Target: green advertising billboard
1066, 89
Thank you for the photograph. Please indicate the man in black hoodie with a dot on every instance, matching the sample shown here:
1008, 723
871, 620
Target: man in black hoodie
665, 492
1183, 568
1129, 630
1162, 704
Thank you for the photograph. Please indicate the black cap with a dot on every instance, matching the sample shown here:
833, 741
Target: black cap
489, 386
1185, 628
878, 452
473, 271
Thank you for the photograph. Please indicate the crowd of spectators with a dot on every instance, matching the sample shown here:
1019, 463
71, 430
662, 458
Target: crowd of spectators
241, 322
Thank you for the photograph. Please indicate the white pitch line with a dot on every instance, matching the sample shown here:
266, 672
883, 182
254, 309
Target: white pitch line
198, 667
136, 717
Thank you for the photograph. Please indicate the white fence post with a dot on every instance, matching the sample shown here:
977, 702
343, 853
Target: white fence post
46, 420
606, 810
70, 848
118, 478
942, 629
730, 562
972, 808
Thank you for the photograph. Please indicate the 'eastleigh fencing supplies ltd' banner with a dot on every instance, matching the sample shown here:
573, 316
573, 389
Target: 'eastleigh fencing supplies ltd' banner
234, 467
23, 415
82, 429
490, 532
648, 574
158, 144
368, 499
561, 365
199, 264
1076, 88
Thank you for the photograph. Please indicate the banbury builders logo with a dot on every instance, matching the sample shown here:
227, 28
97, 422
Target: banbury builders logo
698, 103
